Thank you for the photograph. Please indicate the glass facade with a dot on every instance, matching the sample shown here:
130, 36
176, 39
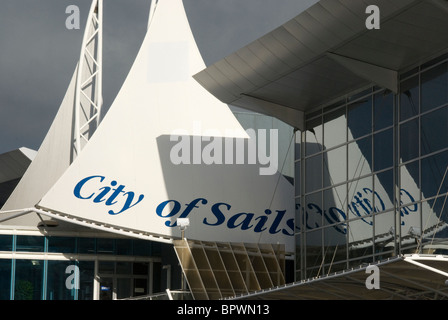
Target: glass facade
34, 267
371, 175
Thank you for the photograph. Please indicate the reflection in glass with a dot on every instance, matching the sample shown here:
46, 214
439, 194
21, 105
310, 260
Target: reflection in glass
56, 281
359, 157
383, 149
6, 242
335, 204
438, 216
123, 246
314, 252
434, 179
385, 232
434, 131
409, 140
335, 125
335, 170
5, 278
313, 173
30, 243
409, 182
410, 223
297, 145
86, 245
435, 87
61, 244
360, 196
409, 98
383, 109
360, 250
360, 118
384, 191
297, 180
313, 136
313, 211
335, 248
28, 279
298, 217
105, 246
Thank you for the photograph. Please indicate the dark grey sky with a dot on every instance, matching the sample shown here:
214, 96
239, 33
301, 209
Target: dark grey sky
38, 54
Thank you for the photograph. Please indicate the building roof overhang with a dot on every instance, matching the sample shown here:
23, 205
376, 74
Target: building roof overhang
404, 277
327, 52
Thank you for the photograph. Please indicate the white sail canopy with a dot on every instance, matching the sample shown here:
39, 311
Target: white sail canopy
126, 176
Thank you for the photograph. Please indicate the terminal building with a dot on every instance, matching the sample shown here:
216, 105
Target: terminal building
102, 212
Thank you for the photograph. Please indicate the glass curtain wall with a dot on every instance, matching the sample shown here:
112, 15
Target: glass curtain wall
64, 268
371, 175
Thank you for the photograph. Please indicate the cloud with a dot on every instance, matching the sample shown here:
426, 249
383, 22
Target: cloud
39, 53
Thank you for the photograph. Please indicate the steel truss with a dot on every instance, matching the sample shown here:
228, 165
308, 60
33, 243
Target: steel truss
88, 95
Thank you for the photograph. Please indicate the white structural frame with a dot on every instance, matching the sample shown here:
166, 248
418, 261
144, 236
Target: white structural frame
88, 95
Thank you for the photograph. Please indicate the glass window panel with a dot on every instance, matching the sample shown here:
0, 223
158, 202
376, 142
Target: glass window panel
360, 118
434, 131
28, 279
30, 243
298, 217
297, 181
313, 136
409, 182
335, 200
435, 213
297, 150
123, 246
335, 169
123, 288
335, 246
141, 268
336, 236
433, 172
313, 173
384, 191
123, 267
62, 244
409, 146
86, 245
359, 158
335, 124
6, 242
145, 247
383, 150
410, 222
56, 280
360, 196
434, 87
383, 109
313, 211
314, 252
409, 98
106, 267
361, 251
384, 231
5, 279
87, 272
105, 246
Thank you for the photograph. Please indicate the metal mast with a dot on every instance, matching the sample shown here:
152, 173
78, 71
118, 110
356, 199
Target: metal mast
88, 95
